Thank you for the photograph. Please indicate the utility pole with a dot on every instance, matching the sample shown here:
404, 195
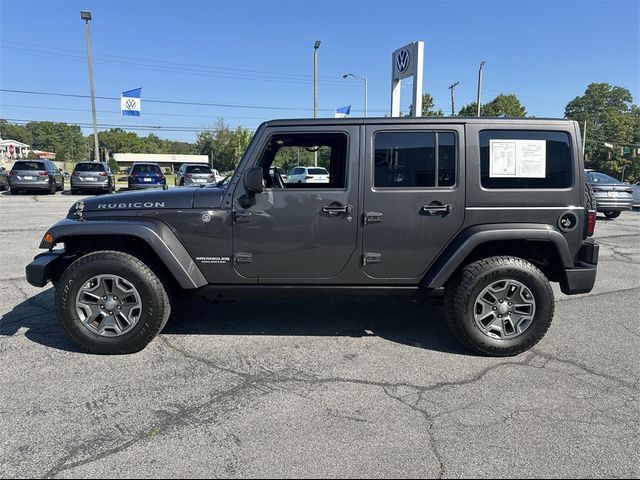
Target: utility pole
479, 86
86, 16
316, 46
452, 87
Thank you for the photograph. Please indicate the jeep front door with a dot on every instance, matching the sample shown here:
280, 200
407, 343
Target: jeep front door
413, 197
302, 230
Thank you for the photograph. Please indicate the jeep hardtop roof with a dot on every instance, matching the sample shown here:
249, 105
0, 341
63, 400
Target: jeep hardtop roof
411, 121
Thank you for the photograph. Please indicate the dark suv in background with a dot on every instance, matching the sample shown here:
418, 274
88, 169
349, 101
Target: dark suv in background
35, 175
92, 176
146, 175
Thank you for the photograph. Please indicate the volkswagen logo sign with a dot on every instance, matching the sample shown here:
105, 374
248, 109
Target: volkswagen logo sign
403, 59
130, 103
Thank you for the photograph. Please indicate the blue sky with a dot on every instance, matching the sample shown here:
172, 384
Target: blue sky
261, 54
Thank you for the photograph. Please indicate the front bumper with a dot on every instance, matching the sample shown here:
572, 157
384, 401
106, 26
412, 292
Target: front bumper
47, 266
582, 277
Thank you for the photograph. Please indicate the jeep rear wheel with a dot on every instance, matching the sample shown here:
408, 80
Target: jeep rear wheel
111, 302
499, 306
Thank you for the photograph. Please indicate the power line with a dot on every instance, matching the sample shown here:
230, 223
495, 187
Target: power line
183, 68
165, 128
174, 102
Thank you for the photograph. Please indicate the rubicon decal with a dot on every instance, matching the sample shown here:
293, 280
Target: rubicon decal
131, 205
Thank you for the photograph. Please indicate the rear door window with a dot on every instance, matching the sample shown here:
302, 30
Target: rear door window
415, 159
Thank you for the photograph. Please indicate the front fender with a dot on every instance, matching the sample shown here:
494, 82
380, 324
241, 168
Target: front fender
157, 235
455, 253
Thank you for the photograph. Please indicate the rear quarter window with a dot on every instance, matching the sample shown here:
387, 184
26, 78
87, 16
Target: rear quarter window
198, 169
525, 159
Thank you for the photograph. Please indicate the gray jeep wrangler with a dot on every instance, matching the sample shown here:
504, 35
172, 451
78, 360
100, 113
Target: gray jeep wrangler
491, 210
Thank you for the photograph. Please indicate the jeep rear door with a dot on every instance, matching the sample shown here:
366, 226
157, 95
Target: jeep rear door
413, 197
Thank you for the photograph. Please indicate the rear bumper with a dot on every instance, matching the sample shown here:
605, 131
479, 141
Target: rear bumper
29, 184
141, 186
47, 266
80, 185
605, 204
582, 277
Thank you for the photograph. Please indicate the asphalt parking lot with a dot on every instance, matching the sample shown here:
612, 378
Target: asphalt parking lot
308, 387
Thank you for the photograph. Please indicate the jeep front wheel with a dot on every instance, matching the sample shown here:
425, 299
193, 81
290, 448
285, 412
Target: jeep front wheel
499, 306
612, 214
111, 302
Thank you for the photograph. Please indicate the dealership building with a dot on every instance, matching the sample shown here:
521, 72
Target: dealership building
166, 161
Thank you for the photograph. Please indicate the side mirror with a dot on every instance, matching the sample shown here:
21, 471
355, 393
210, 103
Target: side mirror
253, 180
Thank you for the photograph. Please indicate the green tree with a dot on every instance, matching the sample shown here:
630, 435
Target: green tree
610, 118
428, 106
223, 145
118, 140
504, 105
10, 131
63, 139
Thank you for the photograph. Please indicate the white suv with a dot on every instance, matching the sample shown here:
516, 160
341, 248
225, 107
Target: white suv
308, 175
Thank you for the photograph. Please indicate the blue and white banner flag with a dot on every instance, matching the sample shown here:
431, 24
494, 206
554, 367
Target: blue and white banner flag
130, 102
343, 112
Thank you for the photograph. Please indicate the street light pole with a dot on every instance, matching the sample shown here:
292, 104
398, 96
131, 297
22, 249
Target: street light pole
86, 16
316, 46
363, 80
452, 87
479, 87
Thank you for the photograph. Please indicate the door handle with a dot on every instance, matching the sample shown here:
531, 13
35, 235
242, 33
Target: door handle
435, 209
335, 209
241, 216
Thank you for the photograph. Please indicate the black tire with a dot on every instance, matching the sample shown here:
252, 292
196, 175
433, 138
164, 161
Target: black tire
53, 188
612, 214
156, 305
465, 286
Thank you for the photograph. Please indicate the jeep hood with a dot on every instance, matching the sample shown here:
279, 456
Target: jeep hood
174, 198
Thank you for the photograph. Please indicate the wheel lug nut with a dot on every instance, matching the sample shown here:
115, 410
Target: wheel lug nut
110, 313
104, 298
101, 306
501, 300
118, 307
510, 304
495, 308
499, 316
115, 298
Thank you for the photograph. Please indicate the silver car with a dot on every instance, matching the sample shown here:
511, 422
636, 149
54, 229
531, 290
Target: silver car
38, 175
92, 176
612, 196
636, 195
190, 174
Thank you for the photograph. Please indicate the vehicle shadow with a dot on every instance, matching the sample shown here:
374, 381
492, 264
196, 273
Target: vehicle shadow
395, 319
35, 318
